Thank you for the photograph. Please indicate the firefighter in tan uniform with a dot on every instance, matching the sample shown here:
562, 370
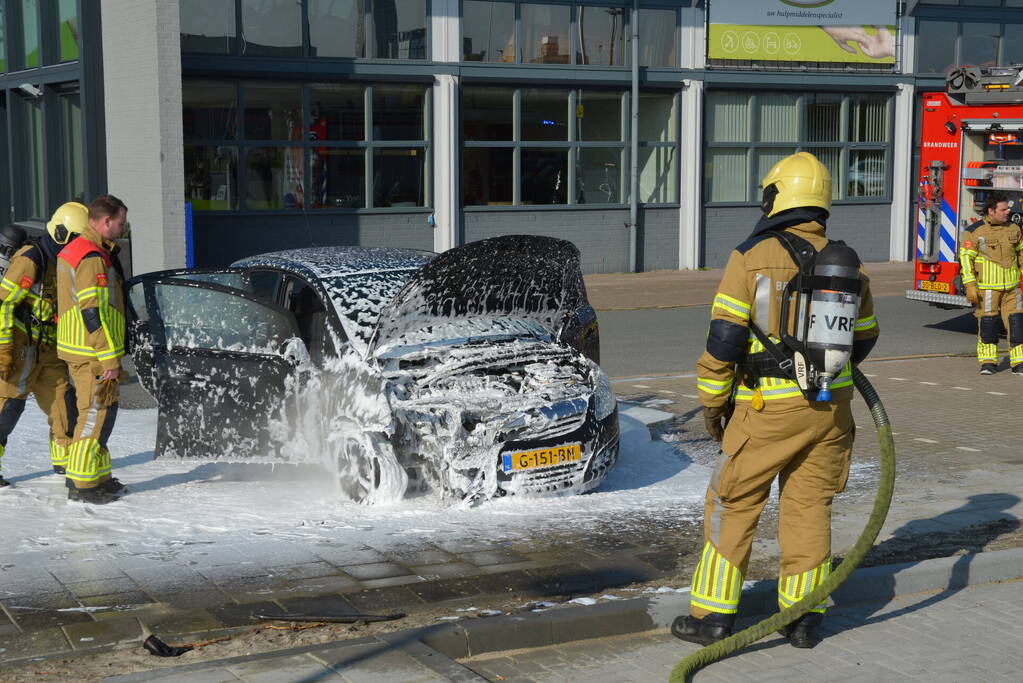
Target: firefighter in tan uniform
774, 431
28, 335
989, 256
90, 339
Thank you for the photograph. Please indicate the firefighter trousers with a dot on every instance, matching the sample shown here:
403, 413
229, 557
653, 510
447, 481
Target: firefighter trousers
39, 372
807, 447
88, 458
995, 303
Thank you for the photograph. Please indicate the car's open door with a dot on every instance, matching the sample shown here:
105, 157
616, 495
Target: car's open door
221, 359
140, 336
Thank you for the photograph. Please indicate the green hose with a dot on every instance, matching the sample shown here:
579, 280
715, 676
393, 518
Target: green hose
688, 666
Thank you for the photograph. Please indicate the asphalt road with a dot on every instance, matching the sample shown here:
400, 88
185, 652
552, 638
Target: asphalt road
670, 340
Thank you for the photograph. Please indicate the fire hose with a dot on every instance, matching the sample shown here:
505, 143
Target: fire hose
689, 665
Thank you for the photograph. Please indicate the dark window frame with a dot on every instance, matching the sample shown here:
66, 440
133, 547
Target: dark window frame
755, 145
244, 145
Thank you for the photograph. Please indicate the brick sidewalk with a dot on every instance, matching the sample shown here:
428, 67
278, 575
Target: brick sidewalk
973, 634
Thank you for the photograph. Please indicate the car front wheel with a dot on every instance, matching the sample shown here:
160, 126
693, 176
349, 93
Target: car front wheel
367, 469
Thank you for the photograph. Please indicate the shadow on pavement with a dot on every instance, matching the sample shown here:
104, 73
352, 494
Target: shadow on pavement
233, 471
961, 323
921, 538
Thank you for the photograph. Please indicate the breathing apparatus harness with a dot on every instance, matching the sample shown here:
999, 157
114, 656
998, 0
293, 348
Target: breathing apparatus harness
13, 238
826, 290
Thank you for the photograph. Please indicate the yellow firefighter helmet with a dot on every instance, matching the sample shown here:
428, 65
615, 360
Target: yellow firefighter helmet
799, 179
68, 220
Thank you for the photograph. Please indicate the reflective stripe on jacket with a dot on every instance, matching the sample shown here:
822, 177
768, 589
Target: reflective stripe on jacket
27, 301
88, 279
989, 255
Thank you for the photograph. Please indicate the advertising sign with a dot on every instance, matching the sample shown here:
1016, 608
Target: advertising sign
803, 30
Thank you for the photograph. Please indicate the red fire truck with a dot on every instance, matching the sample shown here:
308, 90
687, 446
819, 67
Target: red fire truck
971, 145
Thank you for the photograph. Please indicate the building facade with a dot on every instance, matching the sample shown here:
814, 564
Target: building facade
233, 127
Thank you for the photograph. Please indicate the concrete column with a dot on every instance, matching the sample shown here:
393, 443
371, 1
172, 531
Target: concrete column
902, 174
445, 46
145, 157
447, 204
690, 214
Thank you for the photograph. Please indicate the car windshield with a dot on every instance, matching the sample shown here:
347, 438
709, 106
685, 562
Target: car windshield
359, 297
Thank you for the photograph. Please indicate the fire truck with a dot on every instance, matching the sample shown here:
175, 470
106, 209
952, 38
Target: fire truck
971, 145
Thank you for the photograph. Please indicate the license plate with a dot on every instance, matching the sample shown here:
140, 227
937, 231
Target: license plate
935, 286
542, 457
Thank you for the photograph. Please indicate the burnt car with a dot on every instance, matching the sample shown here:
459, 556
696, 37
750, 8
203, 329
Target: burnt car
473, 373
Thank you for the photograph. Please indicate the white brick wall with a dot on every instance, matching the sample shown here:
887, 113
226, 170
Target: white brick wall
145, 168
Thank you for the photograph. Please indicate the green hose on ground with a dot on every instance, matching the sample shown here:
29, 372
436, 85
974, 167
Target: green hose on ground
688, 666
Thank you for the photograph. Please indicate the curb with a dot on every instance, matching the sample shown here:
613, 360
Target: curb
438, 647
872, 584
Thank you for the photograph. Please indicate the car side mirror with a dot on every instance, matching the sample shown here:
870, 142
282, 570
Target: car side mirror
294, 351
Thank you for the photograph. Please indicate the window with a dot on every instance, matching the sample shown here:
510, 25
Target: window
30, 33
74, 160
67, 30
35, 145
548, 33
746, 134
488, 31
271, 27
944, 45
337, 28
349, 29
358, 147
533, 146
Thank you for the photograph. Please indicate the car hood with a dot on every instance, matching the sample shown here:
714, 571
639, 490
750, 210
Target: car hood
515, 285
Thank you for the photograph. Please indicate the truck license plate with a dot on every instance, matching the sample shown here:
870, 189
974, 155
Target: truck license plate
542, 457
935, 286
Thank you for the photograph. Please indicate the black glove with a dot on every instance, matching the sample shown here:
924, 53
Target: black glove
716, 419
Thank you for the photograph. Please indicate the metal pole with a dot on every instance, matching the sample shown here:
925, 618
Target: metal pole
634, 139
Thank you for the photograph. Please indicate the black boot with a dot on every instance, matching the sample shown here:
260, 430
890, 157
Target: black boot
60, 469
4, 482
709, 629
95, 496
802, 632
114, 486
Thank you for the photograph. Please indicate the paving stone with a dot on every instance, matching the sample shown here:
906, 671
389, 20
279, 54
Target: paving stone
377, 570
100, 633
340, 556
377, 600
241, 615
565, 580
84, 570
321, 603
299, 667
322, 584
201, 597
39, 642
419, 556
447, 570
308, 570
484, 558
393, 581
459, 546
520, 583
86, 589
450, 589
222, 574
185, 621
116, 601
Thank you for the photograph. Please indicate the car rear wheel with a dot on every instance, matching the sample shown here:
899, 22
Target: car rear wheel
367, 470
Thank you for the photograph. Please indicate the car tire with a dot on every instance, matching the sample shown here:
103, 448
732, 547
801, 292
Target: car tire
367, 469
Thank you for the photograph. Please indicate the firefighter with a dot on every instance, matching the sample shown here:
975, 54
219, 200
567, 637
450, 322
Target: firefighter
90, 339
28, 335
989, 258
766, 425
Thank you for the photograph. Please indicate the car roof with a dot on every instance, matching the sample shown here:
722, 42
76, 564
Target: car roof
338, 261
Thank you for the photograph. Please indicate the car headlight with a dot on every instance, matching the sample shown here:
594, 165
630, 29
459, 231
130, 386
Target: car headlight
603, 397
